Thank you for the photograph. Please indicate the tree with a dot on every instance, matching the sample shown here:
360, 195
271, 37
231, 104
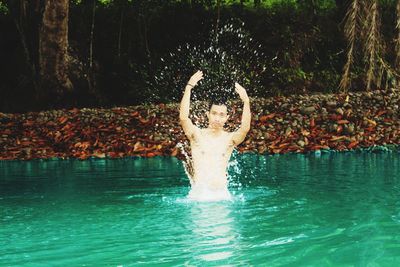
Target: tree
362, 28
53, 51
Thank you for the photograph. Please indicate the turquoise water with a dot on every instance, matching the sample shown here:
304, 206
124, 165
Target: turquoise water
292, 210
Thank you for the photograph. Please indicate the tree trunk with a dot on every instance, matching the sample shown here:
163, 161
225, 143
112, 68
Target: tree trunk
27, 55
21, 22
397, 41
53, 52
92, 34
26, 17
146, 38
120, 33
91, 77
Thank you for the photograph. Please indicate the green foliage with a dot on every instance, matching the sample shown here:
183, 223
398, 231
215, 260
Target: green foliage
105, 2
301, 47
3, 8
102, 2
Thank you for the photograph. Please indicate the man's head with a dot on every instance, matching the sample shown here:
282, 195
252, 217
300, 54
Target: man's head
217, 115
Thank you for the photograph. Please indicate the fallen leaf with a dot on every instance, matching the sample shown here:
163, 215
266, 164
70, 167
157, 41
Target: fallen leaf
372, 122
266, 117
337, 138
352, 144
62, 120
174, 152
99, 155
312, 123
342, 122
381, 113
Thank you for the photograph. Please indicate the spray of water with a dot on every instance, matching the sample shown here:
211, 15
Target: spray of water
187, 162
229, 55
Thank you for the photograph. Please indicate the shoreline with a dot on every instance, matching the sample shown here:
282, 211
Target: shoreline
280, 125
316, 153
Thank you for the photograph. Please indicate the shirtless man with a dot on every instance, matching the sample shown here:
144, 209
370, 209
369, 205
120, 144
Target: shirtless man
212, 146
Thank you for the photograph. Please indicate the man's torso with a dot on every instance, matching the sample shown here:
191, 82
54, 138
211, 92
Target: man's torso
211, 155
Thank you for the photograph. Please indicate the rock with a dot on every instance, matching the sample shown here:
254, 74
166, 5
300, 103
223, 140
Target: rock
339, 111
261, 149
349, 128
308, 110
284, 106
331, 104
288, 131
332, 127
348, 112
378, 97
27, 151
301, 143
347, 105
162, 131
368, 95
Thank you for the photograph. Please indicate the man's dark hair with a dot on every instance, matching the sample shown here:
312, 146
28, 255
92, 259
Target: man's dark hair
218, 102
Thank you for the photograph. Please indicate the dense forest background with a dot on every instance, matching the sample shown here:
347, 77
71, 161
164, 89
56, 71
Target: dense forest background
127, 52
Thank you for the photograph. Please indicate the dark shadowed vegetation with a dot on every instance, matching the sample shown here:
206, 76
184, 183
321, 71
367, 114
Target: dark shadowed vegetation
126, 52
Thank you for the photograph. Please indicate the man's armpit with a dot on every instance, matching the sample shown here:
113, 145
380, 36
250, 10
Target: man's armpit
233, 142
191, 133
238, 137
195, 133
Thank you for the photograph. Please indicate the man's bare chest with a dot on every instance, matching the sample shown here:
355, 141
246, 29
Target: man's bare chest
212, 146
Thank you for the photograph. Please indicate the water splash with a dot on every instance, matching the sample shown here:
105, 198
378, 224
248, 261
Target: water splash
227, 56
244, 170
234, 171
187, 162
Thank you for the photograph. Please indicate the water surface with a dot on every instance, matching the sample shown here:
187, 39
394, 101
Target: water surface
292, 210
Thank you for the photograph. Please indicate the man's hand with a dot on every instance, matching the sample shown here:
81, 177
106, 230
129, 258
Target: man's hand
242, 92
195, 78
240, 134
191, 131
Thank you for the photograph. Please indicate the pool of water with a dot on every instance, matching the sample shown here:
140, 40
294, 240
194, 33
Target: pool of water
291, 210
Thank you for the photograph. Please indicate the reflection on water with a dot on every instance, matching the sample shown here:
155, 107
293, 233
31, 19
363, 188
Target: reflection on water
214, 235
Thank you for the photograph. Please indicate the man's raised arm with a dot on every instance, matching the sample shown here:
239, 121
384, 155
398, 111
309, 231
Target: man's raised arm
241, 133
186, 123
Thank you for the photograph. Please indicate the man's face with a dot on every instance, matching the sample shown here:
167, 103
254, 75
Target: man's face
217, 116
